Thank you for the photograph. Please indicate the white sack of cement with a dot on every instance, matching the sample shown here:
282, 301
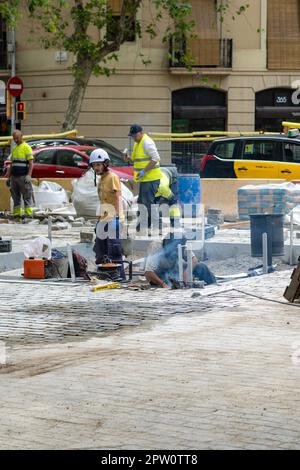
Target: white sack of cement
85, 195
49, 195
296, 216
39, 248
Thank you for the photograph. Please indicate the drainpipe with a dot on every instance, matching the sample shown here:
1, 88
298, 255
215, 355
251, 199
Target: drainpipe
221, 34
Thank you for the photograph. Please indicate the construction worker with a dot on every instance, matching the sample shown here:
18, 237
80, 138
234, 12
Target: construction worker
107, 244
19, 177
146, 166
167, 193
162, 268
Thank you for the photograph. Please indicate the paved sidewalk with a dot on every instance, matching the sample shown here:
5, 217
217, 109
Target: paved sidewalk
170, 371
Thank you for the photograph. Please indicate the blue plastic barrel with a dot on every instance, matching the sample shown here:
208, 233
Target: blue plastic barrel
189, 194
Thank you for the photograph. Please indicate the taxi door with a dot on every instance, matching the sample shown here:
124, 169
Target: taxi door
290, 168
259, 160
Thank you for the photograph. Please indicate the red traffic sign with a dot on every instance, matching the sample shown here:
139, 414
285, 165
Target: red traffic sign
15, 86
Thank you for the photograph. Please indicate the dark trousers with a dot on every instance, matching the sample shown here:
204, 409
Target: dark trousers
146, 197
203, 273
200, 271
19, 189
109, 248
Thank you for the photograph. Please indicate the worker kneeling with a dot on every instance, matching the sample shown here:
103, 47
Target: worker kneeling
162, 267
108, 228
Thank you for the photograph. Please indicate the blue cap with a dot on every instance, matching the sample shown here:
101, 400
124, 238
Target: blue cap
134, 129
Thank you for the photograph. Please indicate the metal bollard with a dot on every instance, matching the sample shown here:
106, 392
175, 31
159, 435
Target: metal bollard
265, 252
50, 228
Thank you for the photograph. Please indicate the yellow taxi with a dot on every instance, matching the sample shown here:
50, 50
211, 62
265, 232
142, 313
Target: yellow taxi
267, 157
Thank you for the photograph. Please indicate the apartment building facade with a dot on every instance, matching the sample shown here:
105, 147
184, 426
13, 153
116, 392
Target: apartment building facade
243, 78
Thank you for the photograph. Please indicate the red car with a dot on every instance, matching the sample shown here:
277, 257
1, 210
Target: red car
70, 162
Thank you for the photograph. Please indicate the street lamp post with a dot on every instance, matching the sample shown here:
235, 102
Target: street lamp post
12, 51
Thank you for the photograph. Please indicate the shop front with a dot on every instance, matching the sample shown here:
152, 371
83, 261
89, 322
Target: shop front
274, 105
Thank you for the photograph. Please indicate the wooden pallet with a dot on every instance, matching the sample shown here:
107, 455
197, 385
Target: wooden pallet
292, 292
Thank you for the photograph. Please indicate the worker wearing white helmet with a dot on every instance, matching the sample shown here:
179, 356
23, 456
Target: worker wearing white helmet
107, 243
99, 156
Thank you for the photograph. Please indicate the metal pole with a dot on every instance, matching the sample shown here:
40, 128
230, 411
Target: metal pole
71, 264
202, 231
50, 228
189, 264
292, 238
180, 265
13, 73
265, 252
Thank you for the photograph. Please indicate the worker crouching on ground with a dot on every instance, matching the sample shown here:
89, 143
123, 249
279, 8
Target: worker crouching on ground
167, 194
162, 267
19, 176
108, 228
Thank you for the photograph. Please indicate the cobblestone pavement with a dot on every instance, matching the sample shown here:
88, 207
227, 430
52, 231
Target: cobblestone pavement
217, 370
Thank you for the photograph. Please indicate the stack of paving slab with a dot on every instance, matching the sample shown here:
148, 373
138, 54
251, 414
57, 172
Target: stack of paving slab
267, 199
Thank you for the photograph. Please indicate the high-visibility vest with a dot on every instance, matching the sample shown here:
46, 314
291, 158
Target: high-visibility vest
141, 160
21, 154
164, 191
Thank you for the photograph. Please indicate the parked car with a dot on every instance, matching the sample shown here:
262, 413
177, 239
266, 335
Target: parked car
75, 141
69, 162
263, 156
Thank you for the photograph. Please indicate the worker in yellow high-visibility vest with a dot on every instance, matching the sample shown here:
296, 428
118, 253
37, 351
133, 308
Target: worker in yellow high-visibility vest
19, 177
167, 194
146, 167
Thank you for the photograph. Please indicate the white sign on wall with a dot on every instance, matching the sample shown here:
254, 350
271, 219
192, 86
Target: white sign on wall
2, 92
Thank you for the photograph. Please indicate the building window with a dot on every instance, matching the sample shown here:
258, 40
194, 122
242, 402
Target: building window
206, 48
113, 25
283, 35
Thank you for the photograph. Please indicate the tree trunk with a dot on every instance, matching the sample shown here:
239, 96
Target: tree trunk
77, 95
84, 66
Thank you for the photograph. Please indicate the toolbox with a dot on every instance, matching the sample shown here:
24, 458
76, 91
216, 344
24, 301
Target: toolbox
5, 246
35, 268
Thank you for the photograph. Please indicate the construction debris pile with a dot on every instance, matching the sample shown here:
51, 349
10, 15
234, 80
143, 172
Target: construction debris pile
59, 222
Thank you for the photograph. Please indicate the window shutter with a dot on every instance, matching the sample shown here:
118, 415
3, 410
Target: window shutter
115, 6
206, 48
283, 34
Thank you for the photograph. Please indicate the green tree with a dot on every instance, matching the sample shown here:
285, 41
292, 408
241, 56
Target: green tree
70, 24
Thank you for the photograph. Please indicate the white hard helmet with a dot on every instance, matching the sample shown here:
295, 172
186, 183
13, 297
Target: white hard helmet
98, 156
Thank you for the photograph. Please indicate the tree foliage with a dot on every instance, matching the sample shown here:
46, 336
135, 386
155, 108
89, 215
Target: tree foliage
71, 24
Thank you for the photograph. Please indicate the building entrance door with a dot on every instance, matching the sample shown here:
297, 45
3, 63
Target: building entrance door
196, 109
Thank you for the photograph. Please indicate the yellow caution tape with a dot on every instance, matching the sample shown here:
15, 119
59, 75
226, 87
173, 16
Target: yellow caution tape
111, 285
71, 133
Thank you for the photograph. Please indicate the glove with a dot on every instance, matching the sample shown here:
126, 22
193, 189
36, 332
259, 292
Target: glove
115, 222
27, 179
8, 182
140, 174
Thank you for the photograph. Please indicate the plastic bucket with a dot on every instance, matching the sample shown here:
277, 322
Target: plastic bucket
189, 194
272, 225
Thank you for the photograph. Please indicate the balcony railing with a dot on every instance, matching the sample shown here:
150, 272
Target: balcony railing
206, 53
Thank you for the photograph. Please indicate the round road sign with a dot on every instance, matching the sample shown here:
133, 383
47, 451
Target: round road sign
15, 86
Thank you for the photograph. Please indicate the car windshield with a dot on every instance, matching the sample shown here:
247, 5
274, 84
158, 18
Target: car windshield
50, 143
